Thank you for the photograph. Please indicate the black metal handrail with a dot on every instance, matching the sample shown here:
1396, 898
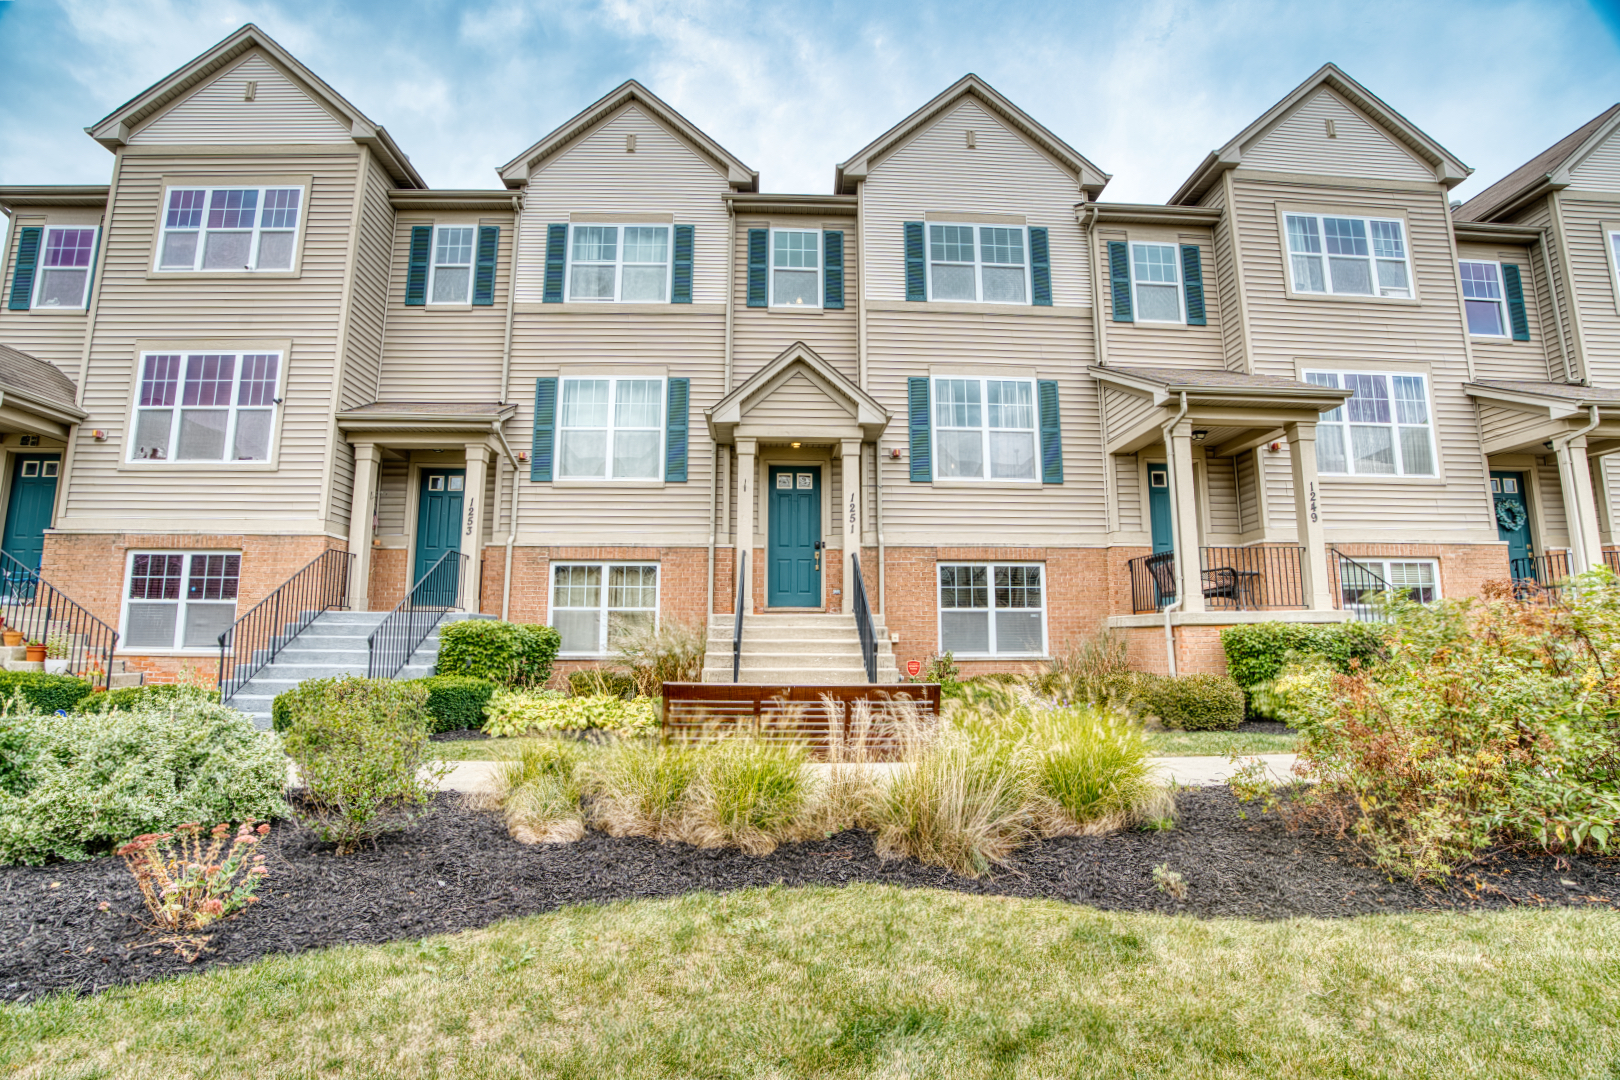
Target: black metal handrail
46, 616
1357, 587
1260, 577
1153, 582
258, 637
1547, 570
1611, 559
404, 629
863, 620
736, 632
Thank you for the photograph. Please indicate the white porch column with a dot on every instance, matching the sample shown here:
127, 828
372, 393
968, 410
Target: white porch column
1316, 584
1580, 507
362, 521
849, 517
1184, 518
472, 526
746, 501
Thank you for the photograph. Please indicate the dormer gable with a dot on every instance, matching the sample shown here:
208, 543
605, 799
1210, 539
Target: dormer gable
1552, 169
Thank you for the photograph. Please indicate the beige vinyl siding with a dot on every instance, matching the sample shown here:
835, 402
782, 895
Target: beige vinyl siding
393, 480
1221, 281
51, 336
1554, 523
368, 301
936, 172
1124, 409
1592, 267
1504, 358
665, 175
1291, 333
1221, 500
450, 352
1248, 493
1497, 422
1128, 495
280, 112
133, 307
1299, 143
1601, 169
760, 334
1551, 292
1277, 472
1162, 344
800, 408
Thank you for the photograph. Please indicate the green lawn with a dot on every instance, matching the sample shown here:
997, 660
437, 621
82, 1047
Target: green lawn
873, 981
1218, 743
477, 749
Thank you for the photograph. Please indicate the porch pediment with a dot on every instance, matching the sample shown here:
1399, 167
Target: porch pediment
1236, 411
1522, 416
797, 396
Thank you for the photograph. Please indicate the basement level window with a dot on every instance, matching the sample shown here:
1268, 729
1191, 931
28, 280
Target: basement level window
179, 600
992, 609
592, 603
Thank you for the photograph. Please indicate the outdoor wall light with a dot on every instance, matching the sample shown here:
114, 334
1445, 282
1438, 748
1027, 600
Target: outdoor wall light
794, 445
1200, 436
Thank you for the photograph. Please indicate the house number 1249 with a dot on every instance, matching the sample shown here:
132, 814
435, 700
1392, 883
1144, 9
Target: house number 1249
1313, 502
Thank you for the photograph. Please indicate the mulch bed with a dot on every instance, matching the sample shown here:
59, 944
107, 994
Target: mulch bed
458, 869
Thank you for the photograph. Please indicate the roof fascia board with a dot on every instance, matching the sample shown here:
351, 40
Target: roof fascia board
497, 199
1154, 214
51, 410
52, 195
1561, 175
1521, 401
753, 203
1475, 232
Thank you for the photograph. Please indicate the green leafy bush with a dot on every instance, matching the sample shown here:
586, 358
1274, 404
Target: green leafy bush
1257, 652
520, 712
86, 782
456, 702
589, 681
1192, 702
944, 671
511, 654
360, 746
165, 695
47, 693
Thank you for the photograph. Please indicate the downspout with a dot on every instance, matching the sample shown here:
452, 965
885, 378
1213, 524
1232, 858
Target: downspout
506, 386
1566, 467
731, 283
714, 504
511, 532
1175, 533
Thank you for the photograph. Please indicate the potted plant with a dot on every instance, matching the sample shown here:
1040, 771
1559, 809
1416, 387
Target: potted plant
11, 636
36, 652
58, 653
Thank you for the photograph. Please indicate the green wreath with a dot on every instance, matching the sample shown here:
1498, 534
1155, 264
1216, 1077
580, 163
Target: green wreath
1510, 514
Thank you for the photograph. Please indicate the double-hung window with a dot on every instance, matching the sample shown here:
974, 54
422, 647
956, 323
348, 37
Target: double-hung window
987, 263
1156, 278
1348, 256
1482, 297
180, 600
452, 265
63, 280
795, 268
229, 229
992, 609
624, 263
984, 429
1384, 430
1362, 579
592, 602
205, 406
611, 429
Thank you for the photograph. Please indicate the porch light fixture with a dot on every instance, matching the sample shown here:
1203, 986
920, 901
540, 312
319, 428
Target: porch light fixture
1200, 436
794, 445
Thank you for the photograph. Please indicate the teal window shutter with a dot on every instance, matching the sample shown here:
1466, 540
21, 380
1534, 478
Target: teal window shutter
675, 431
832, 244
1192, 283
556, 255
916, 279
22, 278
416, 274
1051, 433
1119, 275
489, 242
758, 251
1513, 289
922, 467
1040, 268
545, 429
680, 288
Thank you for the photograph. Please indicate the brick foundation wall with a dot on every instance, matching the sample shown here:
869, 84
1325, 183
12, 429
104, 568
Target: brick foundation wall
1198, 649
1464, 568
387, 586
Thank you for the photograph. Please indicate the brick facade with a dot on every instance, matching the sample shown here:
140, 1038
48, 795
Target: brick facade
1464, 568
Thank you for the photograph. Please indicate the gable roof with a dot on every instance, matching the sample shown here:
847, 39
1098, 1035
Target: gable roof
38, 382
515, 173
1550, 167
1448, 169
1092, 179
114, 129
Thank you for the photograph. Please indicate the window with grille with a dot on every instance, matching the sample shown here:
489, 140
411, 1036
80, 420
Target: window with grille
611, 429
795, 268
63, 279
229, 229
984, 429
1348, 256
205, 407
992, 609
624, 263
1384, 430
592, 602
179, 600
985, 263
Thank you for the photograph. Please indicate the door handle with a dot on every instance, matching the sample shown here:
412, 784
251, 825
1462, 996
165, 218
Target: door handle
818, 555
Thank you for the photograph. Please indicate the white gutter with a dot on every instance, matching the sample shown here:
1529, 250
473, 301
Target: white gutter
1175, 537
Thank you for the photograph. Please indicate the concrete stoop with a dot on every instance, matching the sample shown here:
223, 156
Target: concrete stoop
15, 658
796, 649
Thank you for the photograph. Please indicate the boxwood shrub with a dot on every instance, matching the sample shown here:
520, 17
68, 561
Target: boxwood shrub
511, 654
1192, 702
456, 702
166, 695
1256, 652
47, 693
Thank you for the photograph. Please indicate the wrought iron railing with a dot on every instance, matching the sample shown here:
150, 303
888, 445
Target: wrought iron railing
404, 629
258, 637
1611, 559
44, 616
863, 619
1548, 570
1357, 587
1153, 582
736, 631
1262, 577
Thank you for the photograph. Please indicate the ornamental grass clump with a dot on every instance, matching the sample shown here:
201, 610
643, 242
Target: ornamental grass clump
751, 795
640, 789
1091, 767
189, 882
652, 655
539, 793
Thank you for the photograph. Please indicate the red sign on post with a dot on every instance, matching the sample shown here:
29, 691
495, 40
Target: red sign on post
913, 668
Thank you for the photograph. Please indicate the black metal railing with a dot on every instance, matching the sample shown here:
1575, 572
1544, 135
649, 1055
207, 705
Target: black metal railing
736, 631
404, 629
1153, 582
1262, 577
44, 616
258, 637
1611, 559
1540, 576
863, 619
1357, 587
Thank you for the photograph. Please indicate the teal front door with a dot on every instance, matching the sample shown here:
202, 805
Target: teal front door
28, 510
1513, 520
793, 558
438, 522
1159, 506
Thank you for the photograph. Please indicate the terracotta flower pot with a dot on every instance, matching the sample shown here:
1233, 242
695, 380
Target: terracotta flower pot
13, 638
36, 653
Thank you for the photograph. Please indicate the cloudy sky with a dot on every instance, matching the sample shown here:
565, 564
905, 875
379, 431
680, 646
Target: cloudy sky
1144, 88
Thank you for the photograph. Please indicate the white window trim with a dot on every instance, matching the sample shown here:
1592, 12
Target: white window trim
1380, 566
934, 428
1180, 288
613, 387
602, 628
939, 610
258, 230
434, 264
180, 622
618, 261
272, 452
1611, 237
1501, 303
1372, 259
40, 269
978, 262
1394, 426
821, 270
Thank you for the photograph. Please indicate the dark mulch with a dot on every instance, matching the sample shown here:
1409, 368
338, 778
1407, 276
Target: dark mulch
458, 869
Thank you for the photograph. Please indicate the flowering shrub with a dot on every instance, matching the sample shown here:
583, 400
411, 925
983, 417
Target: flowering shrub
520, 713
187, 882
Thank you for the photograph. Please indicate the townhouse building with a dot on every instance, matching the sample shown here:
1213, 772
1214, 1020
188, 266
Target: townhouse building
628, 385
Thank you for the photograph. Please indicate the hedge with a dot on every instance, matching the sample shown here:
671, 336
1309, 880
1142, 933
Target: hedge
511, 654
456, 702
1256, 652
166, 695
1192, 702
47, 693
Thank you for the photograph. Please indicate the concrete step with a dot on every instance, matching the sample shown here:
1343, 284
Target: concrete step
118, 680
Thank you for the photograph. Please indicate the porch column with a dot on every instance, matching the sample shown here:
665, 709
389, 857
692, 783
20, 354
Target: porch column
745, 520
362, 523
472, 526
1184, 519
1315, 583
1580, 507
849, 517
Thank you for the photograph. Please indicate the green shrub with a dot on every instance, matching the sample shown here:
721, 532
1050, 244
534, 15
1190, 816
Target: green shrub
520, 712
655, 654
47, 693
1192, 702
1257, 652
89, 781
456, 702
942, 670
166, 695
359, 745
511, 654
591, 681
